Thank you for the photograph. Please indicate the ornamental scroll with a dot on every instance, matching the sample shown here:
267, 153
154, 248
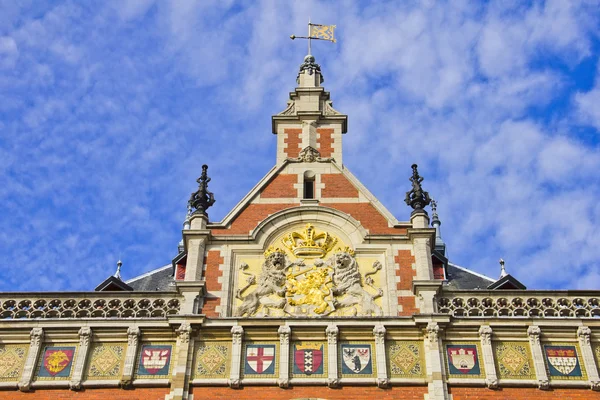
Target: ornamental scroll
312, 274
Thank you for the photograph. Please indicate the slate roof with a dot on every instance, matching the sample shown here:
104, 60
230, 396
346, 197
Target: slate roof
462, 278
160, 280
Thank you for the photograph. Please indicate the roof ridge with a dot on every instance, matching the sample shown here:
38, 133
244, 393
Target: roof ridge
472, 272
148, 273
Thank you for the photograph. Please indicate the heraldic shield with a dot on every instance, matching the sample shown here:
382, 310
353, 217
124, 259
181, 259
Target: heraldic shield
260, 359
154, 360
308, 358
357, 359
463, 359
57, 362
562, 361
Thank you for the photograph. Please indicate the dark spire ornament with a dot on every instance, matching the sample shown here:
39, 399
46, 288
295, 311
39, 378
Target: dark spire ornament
417, 198
202, 199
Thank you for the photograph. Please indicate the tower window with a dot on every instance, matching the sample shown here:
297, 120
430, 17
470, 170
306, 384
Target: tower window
309, 185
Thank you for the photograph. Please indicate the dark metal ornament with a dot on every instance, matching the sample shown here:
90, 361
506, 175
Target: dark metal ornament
202, 199
417, 198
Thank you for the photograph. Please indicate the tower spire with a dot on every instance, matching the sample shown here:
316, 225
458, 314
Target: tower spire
435, 222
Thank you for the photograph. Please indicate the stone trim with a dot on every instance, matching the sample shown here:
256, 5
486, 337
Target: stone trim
133, 339
237, 335
491, 377
85, 335
332, 333
584, 334
35, 345
380, 356
284, 333
535, 333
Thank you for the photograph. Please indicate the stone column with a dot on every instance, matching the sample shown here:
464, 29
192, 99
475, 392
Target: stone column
237, 333
534, 333
284, 356
485, 335
584, 333
332, 355
379, 334
36, 338
436, 374
85, 334
181, 372
133, 338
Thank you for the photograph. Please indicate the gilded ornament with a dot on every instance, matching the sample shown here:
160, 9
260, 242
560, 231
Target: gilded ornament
308, 243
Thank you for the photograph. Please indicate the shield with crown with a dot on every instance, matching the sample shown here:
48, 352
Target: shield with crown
562, 360
308, 358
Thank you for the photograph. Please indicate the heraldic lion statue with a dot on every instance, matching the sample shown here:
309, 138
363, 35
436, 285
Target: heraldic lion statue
348, 286
270, 281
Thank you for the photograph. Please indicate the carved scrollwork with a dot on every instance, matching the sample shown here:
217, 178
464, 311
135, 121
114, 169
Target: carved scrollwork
329, 110
290, 109
332, 334
36, 335
534, 333
237, 333
85, 334
584, 333
544, 384
184, 332
432, 330
284, 335
133, 335
485, 334
383, 383
379, 334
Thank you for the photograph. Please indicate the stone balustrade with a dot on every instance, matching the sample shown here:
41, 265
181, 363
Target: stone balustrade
88, 305
520, 303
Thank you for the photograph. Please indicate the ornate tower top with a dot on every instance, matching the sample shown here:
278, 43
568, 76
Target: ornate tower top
417, 198
202, 199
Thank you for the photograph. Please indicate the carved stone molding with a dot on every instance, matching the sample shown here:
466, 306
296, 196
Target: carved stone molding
237, 332
284, 335
433, 330
379, 334
584, 334
332, 332
36, 337
485, 334
534, 333
183, 333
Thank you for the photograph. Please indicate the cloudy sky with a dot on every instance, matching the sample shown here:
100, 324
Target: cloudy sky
109, 109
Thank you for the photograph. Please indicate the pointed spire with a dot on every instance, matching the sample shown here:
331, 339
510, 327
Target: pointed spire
202, 199
435, 222
502, 269
118, 273
417, 198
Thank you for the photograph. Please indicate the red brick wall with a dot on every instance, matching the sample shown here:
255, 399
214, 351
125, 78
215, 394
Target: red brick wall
281, 186
336, 185
298, 392
88, 394
368, 216
438, 268
293, 141
470, 393
180, 272
325, 141
211, 274
406, 273
250, 217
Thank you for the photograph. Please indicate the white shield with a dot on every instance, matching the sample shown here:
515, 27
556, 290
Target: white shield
357, 358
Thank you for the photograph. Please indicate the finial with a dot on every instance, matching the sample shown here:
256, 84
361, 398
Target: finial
434, 214
202, 199
417, 198
309, 66
118, 273
502, 269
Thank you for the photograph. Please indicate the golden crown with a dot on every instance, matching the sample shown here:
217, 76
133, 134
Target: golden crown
309, 346
308, 243
346, 249
272, 250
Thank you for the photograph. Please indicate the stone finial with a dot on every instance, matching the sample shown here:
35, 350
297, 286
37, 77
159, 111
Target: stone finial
202, 199
417, 198
309, 66
118, 273
502, 269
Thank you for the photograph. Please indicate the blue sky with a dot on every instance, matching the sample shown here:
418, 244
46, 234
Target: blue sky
108, 109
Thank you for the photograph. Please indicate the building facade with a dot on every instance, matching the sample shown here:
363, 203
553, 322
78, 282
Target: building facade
308, 288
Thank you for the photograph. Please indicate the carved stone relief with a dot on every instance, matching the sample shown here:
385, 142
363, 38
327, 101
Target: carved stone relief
309, 278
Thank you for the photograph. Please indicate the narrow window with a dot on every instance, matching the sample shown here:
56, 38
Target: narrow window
309, 185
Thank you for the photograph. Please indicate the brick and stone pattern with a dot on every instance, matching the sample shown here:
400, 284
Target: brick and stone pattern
406, 273
337, 185
211, 274
325, 142
281, 187
292, 141
87, 394
522, 393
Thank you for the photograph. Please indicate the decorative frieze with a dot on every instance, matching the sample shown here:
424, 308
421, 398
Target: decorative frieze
212, 360
513, 360
89, 305
106, 361
518, 304
406, 359
12, 360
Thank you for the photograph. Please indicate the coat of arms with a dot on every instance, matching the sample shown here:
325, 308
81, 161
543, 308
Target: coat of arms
259, 359
357, 359
57, 362
562, 361
463, 359
308, 358
155, 360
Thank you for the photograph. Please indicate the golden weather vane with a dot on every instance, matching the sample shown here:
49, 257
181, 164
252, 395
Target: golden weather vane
317, 32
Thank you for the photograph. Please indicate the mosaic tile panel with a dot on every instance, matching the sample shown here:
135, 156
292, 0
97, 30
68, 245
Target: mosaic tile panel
12, 358
105, 361
597, 354
406, 359
563, 361
260, 359
356, 359
154, 361
56, 363
309, 359
212, 360
463, 360
513, 360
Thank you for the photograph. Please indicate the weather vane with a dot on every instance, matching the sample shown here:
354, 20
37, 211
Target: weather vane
317, 32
